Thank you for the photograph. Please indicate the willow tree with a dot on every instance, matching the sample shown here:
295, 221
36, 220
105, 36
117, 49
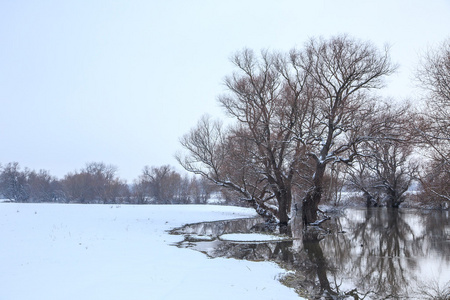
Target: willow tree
295, 113
385, 167
342, 71
258, 157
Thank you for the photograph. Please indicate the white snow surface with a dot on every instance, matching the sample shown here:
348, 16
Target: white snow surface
251, 237
70, 251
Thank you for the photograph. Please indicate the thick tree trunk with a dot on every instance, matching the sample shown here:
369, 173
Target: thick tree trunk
284, 206
311, 205
393, 202
313, 196
394, 198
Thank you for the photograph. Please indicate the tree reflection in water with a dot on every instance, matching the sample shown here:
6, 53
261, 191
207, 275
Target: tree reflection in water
375, 253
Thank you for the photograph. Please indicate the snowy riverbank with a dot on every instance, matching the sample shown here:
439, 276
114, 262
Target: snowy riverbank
70, 251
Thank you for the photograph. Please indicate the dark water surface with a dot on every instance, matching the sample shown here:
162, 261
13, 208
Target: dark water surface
372, 253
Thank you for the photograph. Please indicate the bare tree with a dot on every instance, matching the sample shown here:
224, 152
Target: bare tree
200, 190
97, 182
384, 168
76, 187
258, 157
385, 173
433, 76
296, 113
42, 186
141, 190
343, 71
105, 184
13, 182
162, 183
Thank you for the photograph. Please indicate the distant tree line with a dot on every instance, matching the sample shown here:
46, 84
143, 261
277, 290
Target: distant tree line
98, 182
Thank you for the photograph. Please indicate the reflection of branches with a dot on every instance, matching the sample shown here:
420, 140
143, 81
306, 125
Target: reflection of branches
380, 251
433, 290
253, 251
383, 245
315, 255
437, 229
374, 255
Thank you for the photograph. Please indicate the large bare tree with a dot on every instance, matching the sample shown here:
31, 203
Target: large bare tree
295, 113
342, 71
258, 157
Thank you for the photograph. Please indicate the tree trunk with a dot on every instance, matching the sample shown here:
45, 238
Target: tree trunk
313, 196
311, 205
284, 199
393, 202
394, 199
370, 200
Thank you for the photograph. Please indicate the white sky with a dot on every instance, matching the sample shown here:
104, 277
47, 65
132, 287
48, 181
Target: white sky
122, 81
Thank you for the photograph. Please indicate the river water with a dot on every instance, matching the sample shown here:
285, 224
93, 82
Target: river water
374, 253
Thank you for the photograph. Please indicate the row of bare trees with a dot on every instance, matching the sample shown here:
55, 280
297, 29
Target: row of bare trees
98, 183
166, 186
302, 115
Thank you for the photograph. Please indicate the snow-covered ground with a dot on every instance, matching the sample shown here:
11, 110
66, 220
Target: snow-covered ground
82, 252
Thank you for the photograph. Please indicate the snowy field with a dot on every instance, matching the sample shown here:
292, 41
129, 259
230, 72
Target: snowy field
59, 251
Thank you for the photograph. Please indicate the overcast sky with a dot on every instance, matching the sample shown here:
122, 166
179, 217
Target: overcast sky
120, 82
